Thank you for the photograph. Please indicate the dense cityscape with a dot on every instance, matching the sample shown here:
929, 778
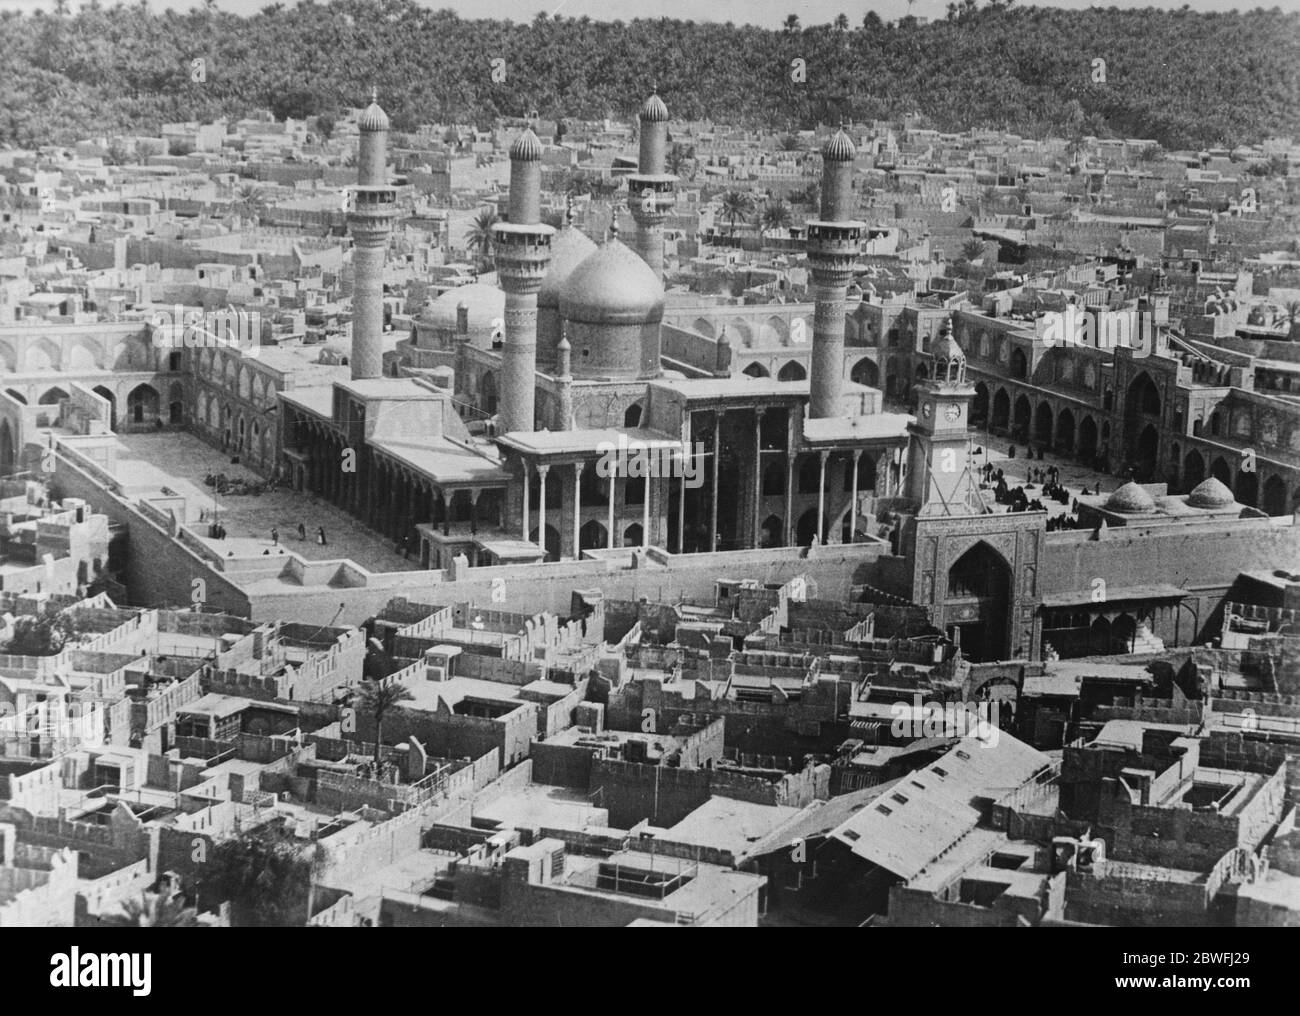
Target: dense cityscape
567, 509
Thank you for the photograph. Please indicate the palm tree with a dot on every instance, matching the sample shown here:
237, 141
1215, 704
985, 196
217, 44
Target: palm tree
249, 202
841, 23
736, 205
775, 216
377, 698
972, 249
159, 910
480, 233
1292, 313
678, 158
791, 24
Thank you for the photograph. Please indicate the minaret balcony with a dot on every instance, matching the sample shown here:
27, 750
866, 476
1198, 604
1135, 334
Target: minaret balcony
522, 252
650, 197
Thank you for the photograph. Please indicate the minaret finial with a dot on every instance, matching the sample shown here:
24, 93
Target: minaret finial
374, 94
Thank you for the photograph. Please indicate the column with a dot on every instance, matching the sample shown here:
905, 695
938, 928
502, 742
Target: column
758, 474
790, 458
577, 510
413, 510
446, 510
645, 511
717, 454
681, 515
853, 505
609, 537
541, 507
527, 485
821, 499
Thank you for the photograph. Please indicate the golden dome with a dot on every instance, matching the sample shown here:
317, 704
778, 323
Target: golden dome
612, 285
569, 248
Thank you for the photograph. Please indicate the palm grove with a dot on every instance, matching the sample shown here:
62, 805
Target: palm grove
1181, 77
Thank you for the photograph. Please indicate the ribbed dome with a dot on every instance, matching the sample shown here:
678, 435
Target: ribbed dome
526, 148
654, 110
1211, 493
1130, 499
612, 285
373, 119
839, 148
483, 302
569, 248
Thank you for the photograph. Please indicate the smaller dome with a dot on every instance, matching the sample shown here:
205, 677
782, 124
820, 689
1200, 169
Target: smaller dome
373, 119
484, 304
945, 346
1130, 499
839, 148
654, 110
526, 148
1211, 493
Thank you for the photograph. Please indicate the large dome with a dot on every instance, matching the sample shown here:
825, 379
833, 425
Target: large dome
1211, 493
1130, 499
485, 303
612, 285
569, 248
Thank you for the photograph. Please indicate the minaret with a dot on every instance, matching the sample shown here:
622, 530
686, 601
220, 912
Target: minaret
374, 208
650, 195
523, 252
834, 242
564, 381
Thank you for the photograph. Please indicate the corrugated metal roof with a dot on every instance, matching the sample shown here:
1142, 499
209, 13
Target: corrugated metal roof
929, 810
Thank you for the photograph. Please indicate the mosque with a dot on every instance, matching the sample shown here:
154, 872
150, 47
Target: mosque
493, 443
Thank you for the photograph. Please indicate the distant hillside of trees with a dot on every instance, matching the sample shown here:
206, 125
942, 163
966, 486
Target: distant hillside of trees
1183, 78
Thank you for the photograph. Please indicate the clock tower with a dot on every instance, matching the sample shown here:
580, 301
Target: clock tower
941, 477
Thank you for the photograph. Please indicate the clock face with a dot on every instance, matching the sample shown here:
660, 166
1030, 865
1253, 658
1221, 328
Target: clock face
952, 413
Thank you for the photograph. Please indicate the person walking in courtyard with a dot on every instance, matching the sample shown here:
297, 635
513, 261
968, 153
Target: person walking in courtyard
275, 537
302, 532
320, 535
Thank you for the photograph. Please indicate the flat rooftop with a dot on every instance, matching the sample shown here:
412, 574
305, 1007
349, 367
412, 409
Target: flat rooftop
540, 805
729, 824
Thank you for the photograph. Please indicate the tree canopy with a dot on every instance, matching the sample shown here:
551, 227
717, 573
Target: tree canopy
1182, 77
